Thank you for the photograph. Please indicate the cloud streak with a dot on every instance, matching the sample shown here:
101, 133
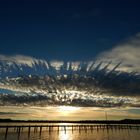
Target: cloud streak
102, 83
20, 59
127, 52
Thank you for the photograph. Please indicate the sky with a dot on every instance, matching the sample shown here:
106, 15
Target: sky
66, 30
68, 113
71, 30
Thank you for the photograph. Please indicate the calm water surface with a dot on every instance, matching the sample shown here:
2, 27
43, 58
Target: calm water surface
69, 134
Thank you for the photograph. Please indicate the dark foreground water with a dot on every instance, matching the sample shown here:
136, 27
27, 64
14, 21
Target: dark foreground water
71, 134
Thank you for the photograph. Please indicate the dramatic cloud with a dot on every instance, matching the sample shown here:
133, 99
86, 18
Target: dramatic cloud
128, 53
20, 59
102, 83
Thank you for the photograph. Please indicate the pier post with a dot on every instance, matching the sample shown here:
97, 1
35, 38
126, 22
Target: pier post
97, 127
6, 132
86, 129
58, 129
29, 129
40, 129
49, 129
19, 132
79, 129
72, 128
35, 129
65, 129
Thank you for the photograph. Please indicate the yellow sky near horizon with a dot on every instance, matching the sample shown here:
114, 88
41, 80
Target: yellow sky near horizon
67, 113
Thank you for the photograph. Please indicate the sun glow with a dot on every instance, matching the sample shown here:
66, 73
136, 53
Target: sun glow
66, 110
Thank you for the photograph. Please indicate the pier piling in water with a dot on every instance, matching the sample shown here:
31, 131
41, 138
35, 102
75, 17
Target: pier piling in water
40, 129
6, 132
29, 129
113, 127
19, 129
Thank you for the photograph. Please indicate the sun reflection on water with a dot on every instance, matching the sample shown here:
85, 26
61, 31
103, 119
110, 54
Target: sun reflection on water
65, 134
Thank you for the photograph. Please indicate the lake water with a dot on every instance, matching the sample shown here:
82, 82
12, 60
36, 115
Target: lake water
71, 134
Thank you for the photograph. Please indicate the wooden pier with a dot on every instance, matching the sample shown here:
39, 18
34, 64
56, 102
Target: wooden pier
49, 128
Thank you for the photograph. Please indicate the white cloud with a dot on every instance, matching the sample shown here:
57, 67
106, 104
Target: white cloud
56, 64
21, 59
127, 52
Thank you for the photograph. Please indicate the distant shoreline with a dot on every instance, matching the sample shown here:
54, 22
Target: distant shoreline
125, 121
